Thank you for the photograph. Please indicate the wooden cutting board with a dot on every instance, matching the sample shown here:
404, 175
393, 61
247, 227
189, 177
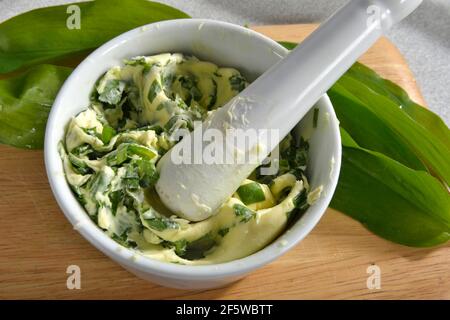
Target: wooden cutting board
37, 243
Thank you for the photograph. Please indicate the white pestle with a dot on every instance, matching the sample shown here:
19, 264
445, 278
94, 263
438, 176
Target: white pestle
276, 100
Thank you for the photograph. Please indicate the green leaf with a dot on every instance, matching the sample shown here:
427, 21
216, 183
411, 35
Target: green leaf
368, 129
428, 148
42, 34
421, 115
400, 204
251, 193
288, 45
25, 102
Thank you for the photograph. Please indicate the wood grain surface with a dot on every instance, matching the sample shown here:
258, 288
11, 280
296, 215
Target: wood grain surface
37, 243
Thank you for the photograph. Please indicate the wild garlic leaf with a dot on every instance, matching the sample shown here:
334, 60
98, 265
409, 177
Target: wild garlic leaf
425, 145
400, 204
421, 115
383, 181
25, 102
369, 130
42, 34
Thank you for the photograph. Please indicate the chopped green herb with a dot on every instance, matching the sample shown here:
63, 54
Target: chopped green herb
142, 151
157, 128
213, 96
238, 83
91, 131
190, 84
180, 103
155, 88
131, 178
123, 240
117, 156
187, 82
181, 121
98, 183
82, 150
251, 193
243, 212
148, 175
135, 61
167, 80
293, 159
112, 92
147, 68
115, 197
162, 223
126, 150
222, 232
300, 200
79, 165
197, 249
180, 247
107, 133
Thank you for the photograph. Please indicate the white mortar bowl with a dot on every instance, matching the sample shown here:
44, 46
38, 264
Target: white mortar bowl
226, 45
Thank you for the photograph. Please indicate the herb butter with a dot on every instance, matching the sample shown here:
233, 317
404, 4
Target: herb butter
110, 152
